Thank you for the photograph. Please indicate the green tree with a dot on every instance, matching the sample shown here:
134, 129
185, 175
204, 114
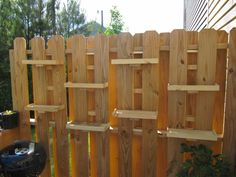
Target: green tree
52, 8
71, 19
116, 24
6, 37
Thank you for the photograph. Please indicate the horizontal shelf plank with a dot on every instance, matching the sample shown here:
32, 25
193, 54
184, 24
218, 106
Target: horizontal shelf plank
215, 87
95, 127
190, 118
138, 90
91, 113
192, 134
86, 85
44, 108
192, 67
40, 62
135, 61
135, 114
87, 52
34, 122
137, 52
90, 67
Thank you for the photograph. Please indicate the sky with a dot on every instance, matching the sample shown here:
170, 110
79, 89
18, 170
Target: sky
138, 15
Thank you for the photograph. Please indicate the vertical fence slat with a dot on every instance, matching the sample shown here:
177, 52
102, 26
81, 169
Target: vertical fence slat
56, 46
192, 39
114, 146
150, 98
137, 105
229, 141
101, 103
79, 75
21, 98
176, 100
163, 106
71, 105
218, 114
125, 97
40, 98
206, 69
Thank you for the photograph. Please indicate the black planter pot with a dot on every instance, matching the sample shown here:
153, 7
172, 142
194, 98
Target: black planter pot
9, 120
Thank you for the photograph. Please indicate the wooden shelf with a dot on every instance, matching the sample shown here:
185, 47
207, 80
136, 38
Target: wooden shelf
34, 122
135, 61
135, 114
86, 85
44, 108
88, 51
40, 62
200, 88
192, 134
94, 127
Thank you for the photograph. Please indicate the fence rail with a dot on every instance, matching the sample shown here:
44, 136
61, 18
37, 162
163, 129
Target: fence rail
131, 100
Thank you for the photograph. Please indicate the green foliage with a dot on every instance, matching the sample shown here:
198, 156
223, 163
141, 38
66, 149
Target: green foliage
116, 25
30, 18
71, 19
203, 163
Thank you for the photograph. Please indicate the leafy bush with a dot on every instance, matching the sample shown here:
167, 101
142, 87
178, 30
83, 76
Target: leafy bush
203, 163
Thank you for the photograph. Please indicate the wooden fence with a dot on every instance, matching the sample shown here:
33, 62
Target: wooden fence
127, 102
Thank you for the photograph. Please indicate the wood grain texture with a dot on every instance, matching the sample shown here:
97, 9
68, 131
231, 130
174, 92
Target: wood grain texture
101, 72
40, 98
206, 75
192, 39
219, 106
229, 141
90, 46
218, 115
114, 146
71, 105
79, 74
20, 88
150, 98
137, 105
163, 106
56, 46
176, 100
125, 97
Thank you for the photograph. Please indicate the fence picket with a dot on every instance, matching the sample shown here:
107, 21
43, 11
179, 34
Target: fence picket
40, 98
56, 46
176, 100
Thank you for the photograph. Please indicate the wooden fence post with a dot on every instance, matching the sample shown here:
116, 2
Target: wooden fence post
56, 48
176, 100
163, 106
101, 70
150, 101
125, 97
20, 91
40, 98
229, 141
114, 147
